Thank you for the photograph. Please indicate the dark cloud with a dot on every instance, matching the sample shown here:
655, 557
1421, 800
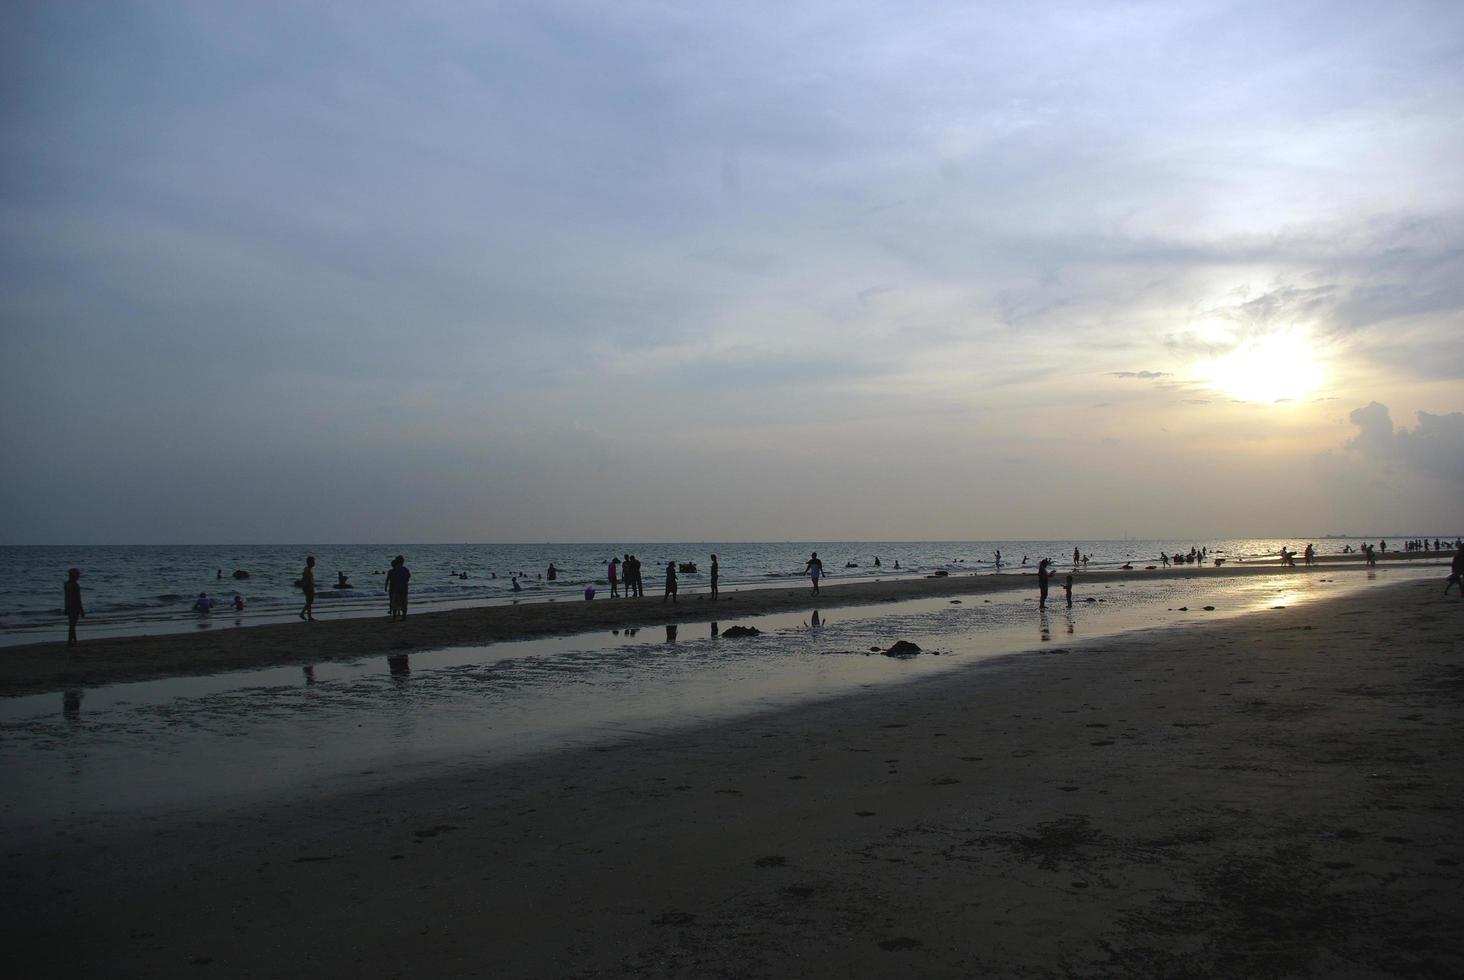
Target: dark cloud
1435, 447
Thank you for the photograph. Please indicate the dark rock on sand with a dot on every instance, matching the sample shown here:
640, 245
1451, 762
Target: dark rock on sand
902, 648
736, 631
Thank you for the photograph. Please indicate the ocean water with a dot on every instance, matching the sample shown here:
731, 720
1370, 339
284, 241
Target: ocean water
139, 589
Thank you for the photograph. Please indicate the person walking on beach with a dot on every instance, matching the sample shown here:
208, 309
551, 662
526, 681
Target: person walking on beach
307, 585
397, 578
670, 582
1067, 591
614, 574
72, 592
1042, 578
715, 571
814, 570
1456, 573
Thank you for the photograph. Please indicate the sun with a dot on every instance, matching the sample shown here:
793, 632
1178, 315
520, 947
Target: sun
1279, 366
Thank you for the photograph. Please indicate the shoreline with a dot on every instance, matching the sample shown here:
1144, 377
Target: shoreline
42, 667
1216, 799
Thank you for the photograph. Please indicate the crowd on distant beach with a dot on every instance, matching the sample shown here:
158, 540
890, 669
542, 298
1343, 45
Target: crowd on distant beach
624, 576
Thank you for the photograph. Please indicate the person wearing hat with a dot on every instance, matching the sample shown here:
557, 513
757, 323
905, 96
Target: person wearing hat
396, 587
73, 604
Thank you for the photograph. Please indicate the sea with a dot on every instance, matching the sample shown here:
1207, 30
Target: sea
153, 588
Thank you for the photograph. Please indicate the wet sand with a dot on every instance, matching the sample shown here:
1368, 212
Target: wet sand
53, 666
1278, 794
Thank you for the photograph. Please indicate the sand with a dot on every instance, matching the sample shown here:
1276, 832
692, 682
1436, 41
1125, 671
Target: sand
1278, 794
53, 666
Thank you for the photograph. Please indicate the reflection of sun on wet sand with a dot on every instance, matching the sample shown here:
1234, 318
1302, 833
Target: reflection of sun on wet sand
97, 661
1274, 794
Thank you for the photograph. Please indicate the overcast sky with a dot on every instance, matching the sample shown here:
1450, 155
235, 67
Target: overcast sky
758, 271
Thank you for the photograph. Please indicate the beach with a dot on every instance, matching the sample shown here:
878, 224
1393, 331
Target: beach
1277, 793
218, 646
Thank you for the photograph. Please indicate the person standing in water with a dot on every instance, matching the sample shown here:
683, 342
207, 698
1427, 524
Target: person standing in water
613, 571
1043, 575
670, 582
715, 570
814, 570
74, 611
396, 587
1067, 591
307, 585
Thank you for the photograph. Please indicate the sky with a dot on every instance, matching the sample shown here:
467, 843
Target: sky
617, 271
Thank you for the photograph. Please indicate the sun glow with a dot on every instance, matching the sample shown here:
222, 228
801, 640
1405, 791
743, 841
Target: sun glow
1279, 366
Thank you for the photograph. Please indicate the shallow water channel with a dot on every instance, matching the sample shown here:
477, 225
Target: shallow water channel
259, 735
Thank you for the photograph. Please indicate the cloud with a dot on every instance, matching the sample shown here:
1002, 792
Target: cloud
1435, 447
1141, 375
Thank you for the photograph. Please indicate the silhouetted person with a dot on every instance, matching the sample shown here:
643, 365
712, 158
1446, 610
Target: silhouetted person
1076, 557
614, 573
814, 570
516, 586
307, 585
876, 561
341, 581
715, 571
74, 611
203, 604
1067, 590
1456, 572
1042, 576
397, 579
238, 602
553, 572
670, 582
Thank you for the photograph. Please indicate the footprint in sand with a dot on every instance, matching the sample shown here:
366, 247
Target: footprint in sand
899, 943
973, 758
944, 781
771, 861
1101, 742
674, 918
427, 832
863, 813
798, 891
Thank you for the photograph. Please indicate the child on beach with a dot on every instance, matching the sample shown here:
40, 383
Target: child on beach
670, 582
74, 611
